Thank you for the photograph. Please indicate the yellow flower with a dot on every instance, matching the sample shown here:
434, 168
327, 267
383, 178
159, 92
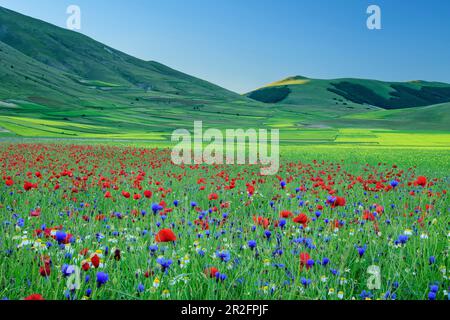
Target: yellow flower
156, 283
166, 293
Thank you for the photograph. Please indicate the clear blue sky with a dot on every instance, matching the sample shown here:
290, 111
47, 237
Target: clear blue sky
243, 44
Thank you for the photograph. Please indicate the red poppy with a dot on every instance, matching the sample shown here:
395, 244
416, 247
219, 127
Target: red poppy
95, 261
35, 296
137, 196
286, 214
250, 190
45, 270
9, 182
304, 258
421, 181
165, 235
301, 219
148, 194
85, 266
28, 186
368, 216
213, 196
211, 272
126, 194
339, 202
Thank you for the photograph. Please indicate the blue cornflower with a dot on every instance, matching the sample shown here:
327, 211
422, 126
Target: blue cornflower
193, 204
365, 294
432, 296
221, 276
175, 203
140, 288
20, 222
394, 183
325, 261
305, 282
156, 207
267, 234
102, 278
361, 250
282, 184
434, 288
402, 239
164, 263
432, 260
223, 255
60, 236
252, 244
67, 270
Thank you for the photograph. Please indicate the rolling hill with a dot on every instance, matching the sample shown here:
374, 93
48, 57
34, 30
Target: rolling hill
76, 86
300, 90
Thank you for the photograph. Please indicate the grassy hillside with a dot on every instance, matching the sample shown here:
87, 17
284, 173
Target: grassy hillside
89, 62
353, 93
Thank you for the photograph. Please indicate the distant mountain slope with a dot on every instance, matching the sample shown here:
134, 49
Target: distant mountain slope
85, 60
56, 82
387, 95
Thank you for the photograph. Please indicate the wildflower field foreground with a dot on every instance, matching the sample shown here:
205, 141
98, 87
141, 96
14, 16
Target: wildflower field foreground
116, 222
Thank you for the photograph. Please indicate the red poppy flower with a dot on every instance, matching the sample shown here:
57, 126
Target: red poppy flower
421, 181
339, 202
148, 194
301, 219
286, 214
35, 296
95, 261
136, 196
126, 194
165, 235
45, 270
28, 186
304, 258
368, 216
211, 272
9, 182
213, 196
85, 266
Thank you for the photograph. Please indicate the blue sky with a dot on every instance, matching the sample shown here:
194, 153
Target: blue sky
243, 44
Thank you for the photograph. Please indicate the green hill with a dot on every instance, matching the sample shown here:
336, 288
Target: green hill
352, 92
86, 61
79, 87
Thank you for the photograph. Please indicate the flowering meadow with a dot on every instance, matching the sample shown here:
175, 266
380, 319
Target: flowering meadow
120, 222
